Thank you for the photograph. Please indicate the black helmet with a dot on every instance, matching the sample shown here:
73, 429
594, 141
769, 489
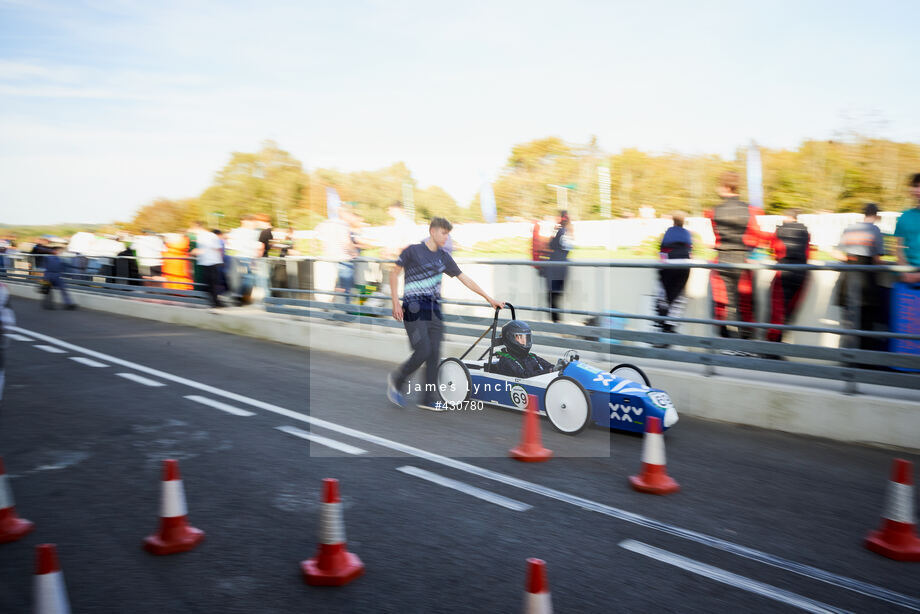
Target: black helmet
516, 335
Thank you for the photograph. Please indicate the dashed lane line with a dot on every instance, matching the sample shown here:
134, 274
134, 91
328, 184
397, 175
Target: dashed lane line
89, 362
815, 573
463, 487
50, 348
729, 578
230, 409
323, 441
16, 337
140, 379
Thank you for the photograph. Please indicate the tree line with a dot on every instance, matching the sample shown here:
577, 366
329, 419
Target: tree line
830, 176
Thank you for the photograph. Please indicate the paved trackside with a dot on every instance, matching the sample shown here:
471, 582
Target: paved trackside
82, 445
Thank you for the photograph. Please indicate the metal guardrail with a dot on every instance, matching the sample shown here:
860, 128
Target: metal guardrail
823, 362
101, 279
839, 364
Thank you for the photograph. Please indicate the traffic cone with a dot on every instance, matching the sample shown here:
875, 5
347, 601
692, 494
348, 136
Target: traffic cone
48, 591
536, 593
897, 538
531, 449
175, 534
654, 478
333, 565
12, 527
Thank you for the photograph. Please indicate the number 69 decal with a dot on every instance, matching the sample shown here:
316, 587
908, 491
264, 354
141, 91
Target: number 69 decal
519, 396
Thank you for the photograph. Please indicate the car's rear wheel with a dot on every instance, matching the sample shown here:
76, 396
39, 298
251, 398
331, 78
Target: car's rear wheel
632, 373
567, 405
454, 383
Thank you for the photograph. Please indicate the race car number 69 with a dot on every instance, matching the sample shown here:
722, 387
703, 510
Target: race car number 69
519, 396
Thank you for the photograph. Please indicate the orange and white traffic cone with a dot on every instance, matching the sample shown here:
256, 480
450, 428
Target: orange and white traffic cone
175, 534
12, 527
333, 565
897, 537
654, 478
536, 593
531, 449
48, 590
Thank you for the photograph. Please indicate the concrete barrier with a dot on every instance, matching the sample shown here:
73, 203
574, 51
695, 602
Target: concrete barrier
807, 406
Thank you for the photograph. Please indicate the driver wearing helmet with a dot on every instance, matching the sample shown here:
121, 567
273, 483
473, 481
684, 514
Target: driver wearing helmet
515, 359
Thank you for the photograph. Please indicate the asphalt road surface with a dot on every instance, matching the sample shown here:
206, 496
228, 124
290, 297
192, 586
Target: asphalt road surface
765, 522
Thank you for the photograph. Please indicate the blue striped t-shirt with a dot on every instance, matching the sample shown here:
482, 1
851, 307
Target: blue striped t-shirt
423, 269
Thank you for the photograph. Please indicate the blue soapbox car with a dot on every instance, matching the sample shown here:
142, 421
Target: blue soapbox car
573, 394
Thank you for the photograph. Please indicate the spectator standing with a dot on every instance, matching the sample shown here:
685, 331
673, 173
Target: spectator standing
420, 309
243, 243
860, 294
208, 253
266, 235
907, 232
737, 234
339, 247
791, 244
676, 246
287, 243
559, 247
222, 285
54, 270
399, 235
176, 268
149, 248
126, 269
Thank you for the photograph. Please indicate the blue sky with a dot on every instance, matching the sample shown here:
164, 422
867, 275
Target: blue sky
106, 105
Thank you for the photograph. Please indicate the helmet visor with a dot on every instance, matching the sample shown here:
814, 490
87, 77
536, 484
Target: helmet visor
523, 340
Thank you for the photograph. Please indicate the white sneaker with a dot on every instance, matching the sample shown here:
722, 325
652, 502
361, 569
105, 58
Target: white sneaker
435, 406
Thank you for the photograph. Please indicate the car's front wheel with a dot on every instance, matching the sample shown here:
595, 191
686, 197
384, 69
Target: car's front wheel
630, 372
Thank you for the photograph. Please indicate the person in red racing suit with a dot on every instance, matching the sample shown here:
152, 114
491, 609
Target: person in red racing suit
734, 224
791, 244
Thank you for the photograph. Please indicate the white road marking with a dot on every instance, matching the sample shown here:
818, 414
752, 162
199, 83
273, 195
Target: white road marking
51, 349
88, 361
16, 337
726, 577
815, 573
140, 380
463, 487
323, 441
230, 409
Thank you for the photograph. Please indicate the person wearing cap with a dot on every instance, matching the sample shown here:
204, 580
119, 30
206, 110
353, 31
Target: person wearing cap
862, 243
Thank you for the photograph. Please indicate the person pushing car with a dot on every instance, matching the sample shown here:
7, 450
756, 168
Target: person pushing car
420, 309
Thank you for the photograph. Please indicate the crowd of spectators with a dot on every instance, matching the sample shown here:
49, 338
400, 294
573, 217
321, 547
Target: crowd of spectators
201, 259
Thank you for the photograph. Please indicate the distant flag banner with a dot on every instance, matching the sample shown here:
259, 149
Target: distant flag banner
333, 202
487, 202
755, 176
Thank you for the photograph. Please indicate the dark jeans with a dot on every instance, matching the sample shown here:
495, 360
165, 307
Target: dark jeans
346, 279
210, 276
425, 330
56, 281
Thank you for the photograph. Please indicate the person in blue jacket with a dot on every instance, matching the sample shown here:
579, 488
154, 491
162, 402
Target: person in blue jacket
54, 269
